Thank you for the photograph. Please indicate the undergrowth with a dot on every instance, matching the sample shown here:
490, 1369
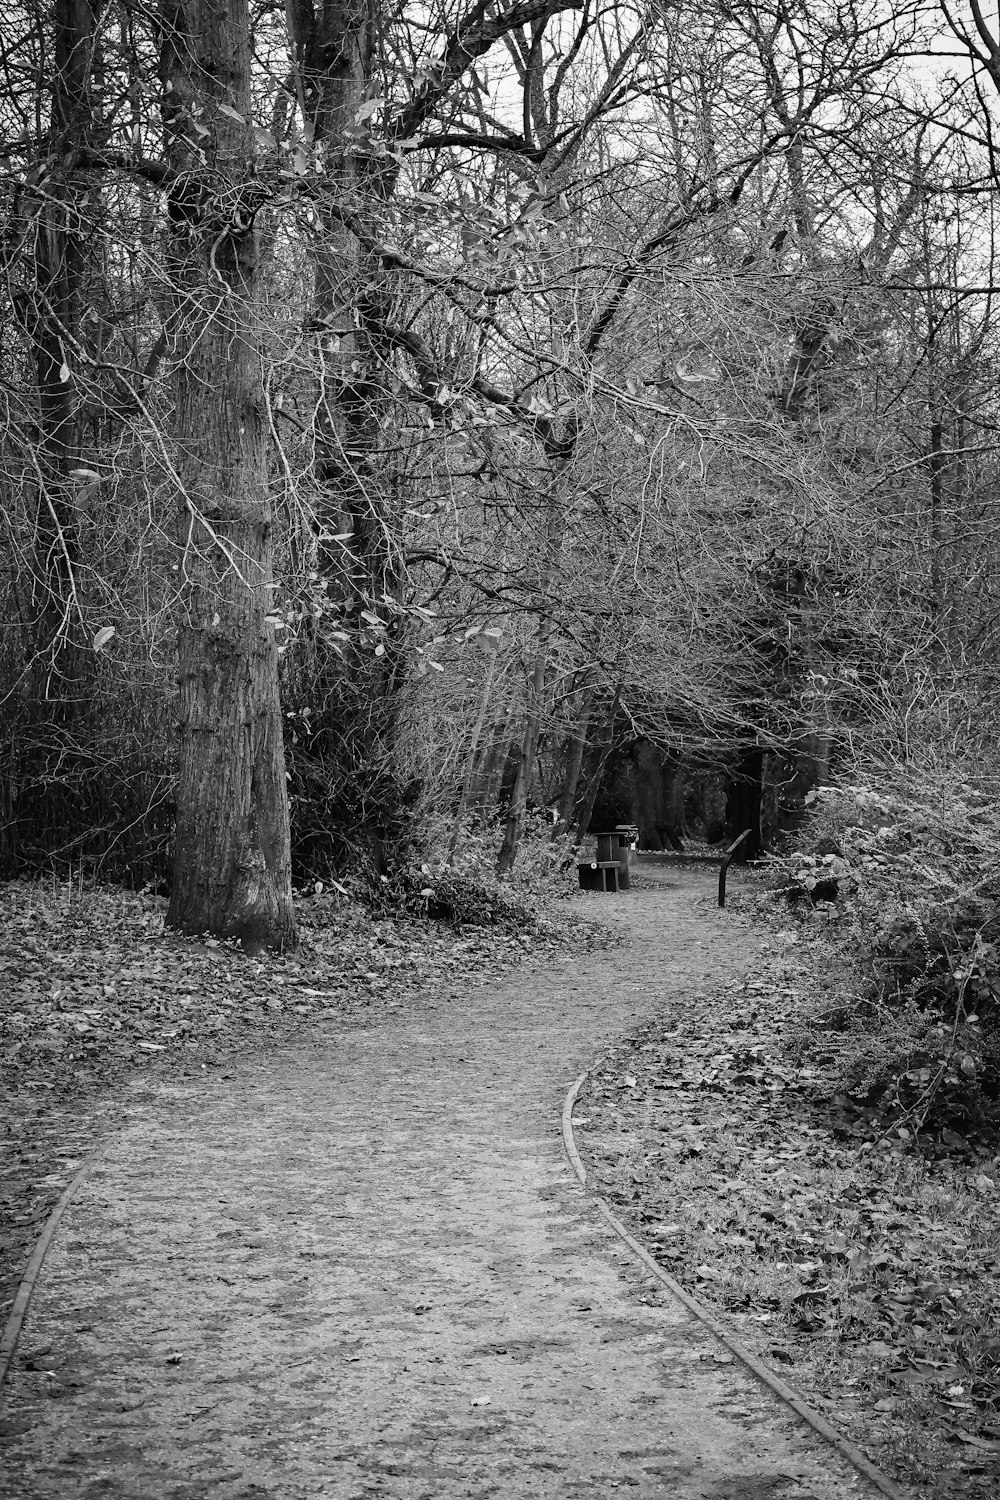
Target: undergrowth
754, 1140
902, 876
461, 886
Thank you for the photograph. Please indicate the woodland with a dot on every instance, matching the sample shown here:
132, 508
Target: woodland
422, 418
431, 432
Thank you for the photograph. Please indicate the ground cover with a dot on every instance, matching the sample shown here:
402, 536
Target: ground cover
814, 1150
95, 994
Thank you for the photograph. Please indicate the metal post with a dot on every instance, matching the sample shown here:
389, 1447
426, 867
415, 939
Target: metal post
727, 860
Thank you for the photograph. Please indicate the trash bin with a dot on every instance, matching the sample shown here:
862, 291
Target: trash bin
629, 834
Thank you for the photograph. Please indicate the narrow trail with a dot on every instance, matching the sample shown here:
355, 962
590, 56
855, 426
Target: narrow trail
363, 1267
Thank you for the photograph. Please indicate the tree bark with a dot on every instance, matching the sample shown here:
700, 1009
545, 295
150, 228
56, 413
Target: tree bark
332, 49
575, 764
54, 328
590, 795
232, 863
470, 758
487, 778
525, 765
596, 774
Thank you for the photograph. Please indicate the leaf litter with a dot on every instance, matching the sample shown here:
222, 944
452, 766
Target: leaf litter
96, 996
865, 1272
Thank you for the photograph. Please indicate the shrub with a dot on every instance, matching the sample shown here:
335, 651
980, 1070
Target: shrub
919, 922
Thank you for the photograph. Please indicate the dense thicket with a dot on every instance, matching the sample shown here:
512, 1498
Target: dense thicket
519, 391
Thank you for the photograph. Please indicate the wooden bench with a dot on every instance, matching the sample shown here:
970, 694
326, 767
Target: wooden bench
600, 875
614, 846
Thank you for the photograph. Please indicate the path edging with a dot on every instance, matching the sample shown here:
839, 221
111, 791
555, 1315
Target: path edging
15, 1321
22, 1301
763, 1372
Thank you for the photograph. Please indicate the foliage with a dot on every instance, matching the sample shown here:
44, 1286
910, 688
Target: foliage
468, 893
460, 900
94, 981
864, 1270
620, 364
918, 1040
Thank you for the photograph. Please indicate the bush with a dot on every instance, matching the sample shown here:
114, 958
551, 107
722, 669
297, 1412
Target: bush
461, 900
920, 924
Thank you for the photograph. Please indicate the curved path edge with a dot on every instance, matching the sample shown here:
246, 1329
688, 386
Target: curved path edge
768, 1377
763, 1372
22, 1301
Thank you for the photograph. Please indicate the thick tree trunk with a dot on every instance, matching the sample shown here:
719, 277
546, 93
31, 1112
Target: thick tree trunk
674, 787
711, 794
590, 794
332, 48
658, 803
232, 864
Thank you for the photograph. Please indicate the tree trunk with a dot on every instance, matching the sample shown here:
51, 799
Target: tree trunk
54, 328
936, 467
574, 765
232, 863
590, 794
712, 804
470, 759
525, 765
658, 800
487, 778
332, 48
596, 775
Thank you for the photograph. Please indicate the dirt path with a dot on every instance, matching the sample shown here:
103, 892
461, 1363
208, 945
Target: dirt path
363, 1267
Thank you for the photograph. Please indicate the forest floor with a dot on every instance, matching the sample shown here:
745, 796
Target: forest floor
861, 1268
383, 1062
357, 1262
95, 993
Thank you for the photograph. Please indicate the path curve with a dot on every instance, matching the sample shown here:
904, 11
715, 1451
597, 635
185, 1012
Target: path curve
363, 1267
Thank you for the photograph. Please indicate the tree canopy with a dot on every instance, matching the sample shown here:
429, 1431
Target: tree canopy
404, 406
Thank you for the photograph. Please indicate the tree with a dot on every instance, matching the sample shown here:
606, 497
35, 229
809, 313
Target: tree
636, 347
53, 314
232, 862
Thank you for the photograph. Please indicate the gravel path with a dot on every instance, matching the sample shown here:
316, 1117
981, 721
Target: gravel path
362, 1267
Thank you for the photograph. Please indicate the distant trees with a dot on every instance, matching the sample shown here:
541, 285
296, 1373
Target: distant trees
407, 406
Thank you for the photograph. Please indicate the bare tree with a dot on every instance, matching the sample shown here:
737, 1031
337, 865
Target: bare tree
232, 865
